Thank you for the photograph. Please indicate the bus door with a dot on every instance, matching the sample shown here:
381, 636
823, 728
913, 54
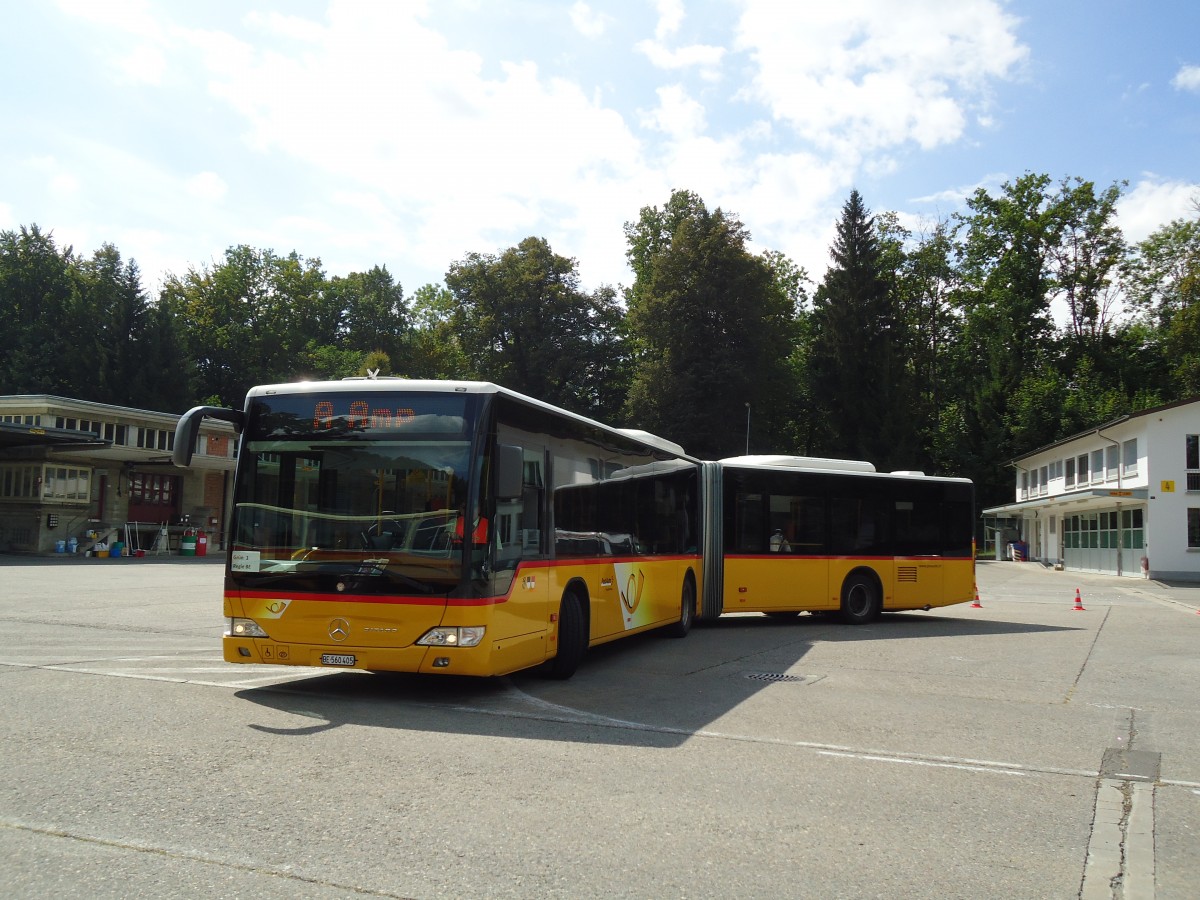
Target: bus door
520, 582
796, 538
775, 554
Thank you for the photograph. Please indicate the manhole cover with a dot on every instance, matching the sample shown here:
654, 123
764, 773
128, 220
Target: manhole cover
775, 676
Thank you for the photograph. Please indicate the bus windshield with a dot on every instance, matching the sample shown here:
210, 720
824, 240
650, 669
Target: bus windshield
332, 486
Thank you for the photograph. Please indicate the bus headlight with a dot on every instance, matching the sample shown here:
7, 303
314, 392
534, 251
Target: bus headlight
245, 628
461, 636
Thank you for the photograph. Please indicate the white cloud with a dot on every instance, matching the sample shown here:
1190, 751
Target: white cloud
145, 64
703, 57
677, 114
670, 17
958, 196
587, 21
1154, 202
875, 74
208, 186
1187, 78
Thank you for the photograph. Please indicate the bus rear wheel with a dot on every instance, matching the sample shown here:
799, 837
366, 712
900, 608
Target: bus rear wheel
572, 638
861, 602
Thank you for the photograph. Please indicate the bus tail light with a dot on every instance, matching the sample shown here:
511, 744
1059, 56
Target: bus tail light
245, 628
462, 636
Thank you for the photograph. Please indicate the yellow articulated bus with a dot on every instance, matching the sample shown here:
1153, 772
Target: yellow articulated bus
824, 536
461, 528
452, 527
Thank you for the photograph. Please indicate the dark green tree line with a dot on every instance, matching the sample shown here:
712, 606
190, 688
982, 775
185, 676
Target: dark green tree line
1022, 320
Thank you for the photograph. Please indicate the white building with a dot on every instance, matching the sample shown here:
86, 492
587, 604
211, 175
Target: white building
1120, 499
74, 469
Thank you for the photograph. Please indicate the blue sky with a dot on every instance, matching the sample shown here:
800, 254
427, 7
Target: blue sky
410, 134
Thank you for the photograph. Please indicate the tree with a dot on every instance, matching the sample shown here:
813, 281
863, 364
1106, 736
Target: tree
436, 351
1087, 256
712, 327
924, 282
857, 366
524, 322
115, 292
1008, 330
254, 318
1162, 280
48, 333
370, 312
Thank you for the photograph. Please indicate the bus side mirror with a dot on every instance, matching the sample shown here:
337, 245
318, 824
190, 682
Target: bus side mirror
510, 471
189, 428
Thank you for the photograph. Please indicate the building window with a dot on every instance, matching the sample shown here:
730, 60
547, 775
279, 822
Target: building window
1129, 452
52, 484
1193, 528
19, 482
1112, 457
155, 439
1028, 483
1070, 473
1192, 461
66, 485
118, 434
1097, 466
152, 490
1081, 468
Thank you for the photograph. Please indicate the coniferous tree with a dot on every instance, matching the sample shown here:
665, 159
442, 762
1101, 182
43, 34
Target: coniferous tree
857, 370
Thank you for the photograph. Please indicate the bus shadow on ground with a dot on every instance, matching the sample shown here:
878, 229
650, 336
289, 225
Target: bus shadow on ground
643, 691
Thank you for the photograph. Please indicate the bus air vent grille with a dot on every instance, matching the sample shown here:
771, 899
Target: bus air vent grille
906, 573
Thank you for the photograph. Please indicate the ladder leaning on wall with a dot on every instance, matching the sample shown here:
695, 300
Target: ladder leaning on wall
162, 543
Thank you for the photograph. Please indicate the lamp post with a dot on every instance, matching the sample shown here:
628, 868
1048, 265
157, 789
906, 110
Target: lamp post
747, 429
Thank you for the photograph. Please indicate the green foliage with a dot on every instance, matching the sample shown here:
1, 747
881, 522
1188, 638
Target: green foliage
259, 318
712, 329
41, 316
523, 322
369, 312
435, 350
858, 374
1160, 277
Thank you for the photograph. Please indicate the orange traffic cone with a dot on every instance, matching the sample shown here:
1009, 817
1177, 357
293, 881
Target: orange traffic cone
978, 605
1078, 600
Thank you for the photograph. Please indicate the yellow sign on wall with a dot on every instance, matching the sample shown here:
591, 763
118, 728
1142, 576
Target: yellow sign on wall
1167, 487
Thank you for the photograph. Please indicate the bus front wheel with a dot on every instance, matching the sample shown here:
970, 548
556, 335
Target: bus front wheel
572, 637
861, 602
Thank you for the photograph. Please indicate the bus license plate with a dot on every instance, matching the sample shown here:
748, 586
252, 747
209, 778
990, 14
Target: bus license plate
337, 659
